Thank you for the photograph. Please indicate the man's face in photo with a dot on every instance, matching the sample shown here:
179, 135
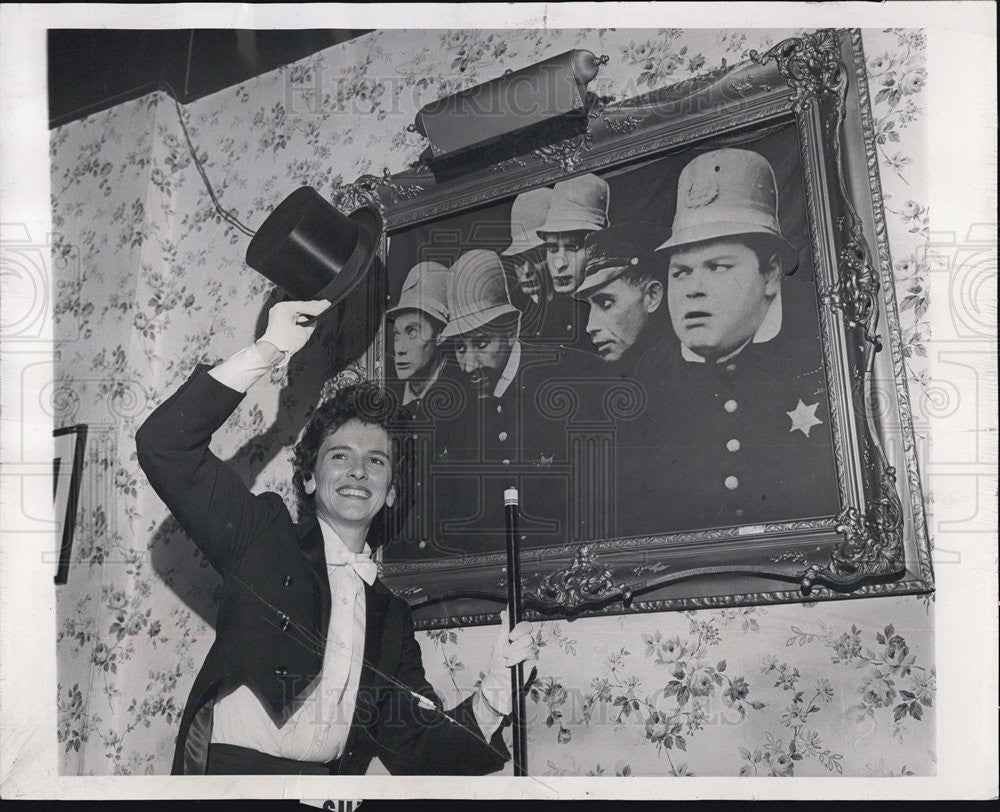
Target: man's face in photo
482, 355
414, 345
618, 314
528, 267
567, 259
352, 477
718, 294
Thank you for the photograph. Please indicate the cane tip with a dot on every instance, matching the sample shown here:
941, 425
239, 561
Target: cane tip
510, 496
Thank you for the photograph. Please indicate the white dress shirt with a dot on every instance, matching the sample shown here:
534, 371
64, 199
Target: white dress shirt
317, 730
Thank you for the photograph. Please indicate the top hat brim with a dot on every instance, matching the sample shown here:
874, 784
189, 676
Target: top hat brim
717, 231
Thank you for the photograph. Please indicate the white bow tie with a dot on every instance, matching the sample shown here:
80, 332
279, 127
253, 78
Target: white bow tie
359, 562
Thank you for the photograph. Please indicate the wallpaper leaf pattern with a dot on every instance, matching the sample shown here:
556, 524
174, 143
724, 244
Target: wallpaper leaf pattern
151, 281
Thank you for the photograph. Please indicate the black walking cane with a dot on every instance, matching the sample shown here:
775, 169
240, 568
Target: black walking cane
514, 617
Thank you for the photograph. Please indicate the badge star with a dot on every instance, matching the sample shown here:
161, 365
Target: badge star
804, 417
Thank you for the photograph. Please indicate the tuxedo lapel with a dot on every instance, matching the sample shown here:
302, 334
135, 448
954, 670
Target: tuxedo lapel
376, 604
311, 545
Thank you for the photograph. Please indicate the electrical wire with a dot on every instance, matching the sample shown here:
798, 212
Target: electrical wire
228, 216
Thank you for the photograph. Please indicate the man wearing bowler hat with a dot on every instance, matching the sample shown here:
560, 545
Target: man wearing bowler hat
737, 425
315, 669
514, 432
579, 207
624, 287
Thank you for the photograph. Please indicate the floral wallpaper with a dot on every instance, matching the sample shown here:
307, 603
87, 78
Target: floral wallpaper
152, 280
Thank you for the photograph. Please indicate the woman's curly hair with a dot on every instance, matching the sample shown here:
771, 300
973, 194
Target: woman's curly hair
365, 401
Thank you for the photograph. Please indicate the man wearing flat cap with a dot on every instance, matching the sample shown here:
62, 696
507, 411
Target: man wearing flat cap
737, 425
513, 433
625, 290
579, 207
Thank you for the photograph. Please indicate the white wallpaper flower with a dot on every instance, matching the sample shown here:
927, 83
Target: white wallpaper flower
154, 282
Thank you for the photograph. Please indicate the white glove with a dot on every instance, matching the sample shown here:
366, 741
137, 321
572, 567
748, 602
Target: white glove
509, 649
285, 331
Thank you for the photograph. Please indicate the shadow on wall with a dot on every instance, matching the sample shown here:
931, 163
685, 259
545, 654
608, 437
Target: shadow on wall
339, 340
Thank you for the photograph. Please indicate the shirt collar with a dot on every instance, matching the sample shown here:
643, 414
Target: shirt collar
509, 371
409, 395
338, 553
769, 328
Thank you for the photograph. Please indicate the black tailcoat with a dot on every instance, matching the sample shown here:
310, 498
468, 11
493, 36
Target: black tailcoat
275, 609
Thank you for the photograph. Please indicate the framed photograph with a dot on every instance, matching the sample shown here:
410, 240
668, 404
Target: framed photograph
70, 443
746, 438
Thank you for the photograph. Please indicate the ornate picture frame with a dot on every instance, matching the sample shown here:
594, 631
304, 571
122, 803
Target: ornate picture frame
876, 542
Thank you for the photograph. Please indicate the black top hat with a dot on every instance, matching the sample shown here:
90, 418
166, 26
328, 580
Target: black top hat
311, 250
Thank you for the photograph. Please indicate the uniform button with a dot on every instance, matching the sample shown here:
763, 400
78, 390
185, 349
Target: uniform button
730, 406
733, 445
422, 544
739, 512
499, 408
730, 367
732, 483
340, 644
344, 601
284, 621
506, 462
281, 671
288, 581
502, 436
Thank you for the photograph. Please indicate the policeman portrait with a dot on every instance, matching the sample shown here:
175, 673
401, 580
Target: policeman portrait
579, 206
417, 321
624, 288
509, 434
737, 424
482, 331
527, 248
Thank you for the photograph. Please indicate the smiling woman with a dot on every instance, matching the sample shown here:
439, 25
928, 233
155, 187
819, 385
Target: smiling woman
315, 668
344, 463
352, 480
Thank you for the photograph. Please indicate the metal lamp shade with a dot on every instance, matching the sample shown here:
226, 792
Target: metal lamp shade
311, 250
